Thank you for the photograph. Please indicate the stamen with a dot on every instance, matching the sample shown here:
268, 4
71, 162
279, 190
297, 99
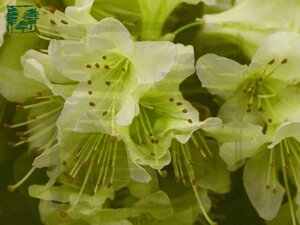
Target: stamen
11, 188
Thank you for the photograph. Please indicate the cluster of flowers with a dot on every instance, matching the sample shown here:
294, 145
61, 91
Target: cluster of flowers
106, 117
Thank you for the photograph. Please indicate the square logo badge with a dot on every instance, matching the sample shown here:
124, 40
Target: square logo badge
21, 18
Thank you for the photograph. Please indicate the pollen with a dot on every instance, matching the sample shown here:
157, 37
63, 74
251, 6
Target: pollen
284, 61
92, 104
64, 22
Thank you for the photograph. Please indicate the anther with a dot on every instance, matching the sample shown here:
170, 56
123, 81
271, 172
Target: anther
108, 83
271, 62
268, 187
178, 103
37, 4
260, 109
113, 139
90, 92
88, 66
53, 23
35, 149
107, 67
11, 144
19, 107
39, 94
109, 185
184, 110
6, 125
97, 65
10, 188
63, 213
284, 61
164, 173
154, 141
123, 69
64, 22
152, 154
171, 99
92, 193
34, 117
104, 57
19, 133
270, 120
190, 121
92, 104
51, 9
274, 191
89, 82
104, 113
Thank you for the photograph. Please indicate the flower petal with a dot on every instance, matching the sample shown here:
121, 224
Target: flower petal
265, 201
221, 76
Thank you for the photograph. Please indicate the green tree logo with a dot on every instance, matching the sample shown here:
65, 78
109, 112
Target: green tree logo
12, 17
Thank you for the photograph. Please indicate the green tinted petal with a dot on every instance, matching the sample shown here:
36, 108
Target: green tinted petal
152, 61
286, 130
266, 201
80, 12
220, 75
283, 216
110, 34
17, 88
285, 43
238, 24
37, 66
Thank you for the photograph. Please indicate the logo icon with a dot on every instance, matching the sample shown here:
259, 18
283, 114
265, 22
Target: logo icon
21, 18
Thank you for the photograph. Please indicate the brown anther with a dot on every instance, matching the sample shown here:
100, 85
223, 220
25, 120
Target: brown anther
179, 103
11, 144
164, 173
104, 57
92, 104
113, 139
92, 193
6, 125
97, 65
90, 92
108, 83
63, 213
88, 66
152, 154
249, 110
274, 191
64, 163
143, 142
35, 149
154, 141
89, 82
123, 69
104, 113
19, 133
19, 107
51, 9
34, 117
284, 61
260, 109
268, 187
10, 188
37, 4
24, 138
64, 22
192, 162
53, 23
270, 120
39, 94
70, 179
190, 121
171, 99
107, 67
184, 110
260, 79
271, 62
109, 185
